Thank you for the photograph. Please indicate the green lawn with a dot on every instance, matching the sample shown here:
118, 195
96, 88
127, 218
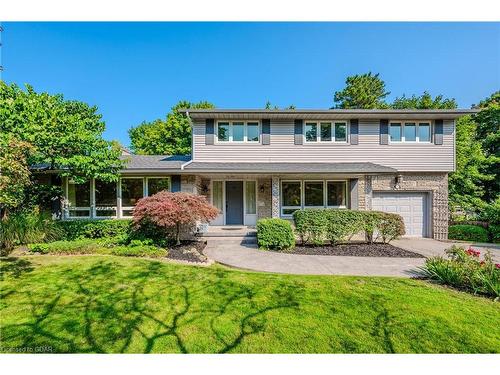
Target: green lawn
113, 304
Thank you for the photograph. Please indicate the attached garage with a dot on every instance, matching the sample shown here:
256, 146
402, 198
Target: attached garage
412, 206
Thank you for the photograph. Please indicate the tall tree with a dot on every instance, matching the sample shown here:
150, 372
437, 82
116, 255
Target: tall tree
466, 189
365, 91
65, 135
14, 173
424, 101
488, 133
171, 136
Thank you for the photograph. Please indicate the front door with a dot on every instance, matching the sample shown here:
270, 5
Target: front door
234, 202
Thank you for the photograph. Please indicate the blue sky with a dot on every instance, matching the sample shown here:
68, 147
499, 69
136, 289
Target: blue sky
137, 71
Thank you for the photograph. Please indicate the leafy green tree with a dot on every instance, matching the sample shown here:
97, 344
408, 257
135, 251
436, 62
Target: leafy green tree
466, 189
14, 173
488, 133
66, 135
424, 101
365, 91
171, 136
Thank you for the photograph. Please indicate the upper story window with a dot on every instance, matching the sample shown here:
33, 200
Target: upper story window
410, 131
325, 131
238, 131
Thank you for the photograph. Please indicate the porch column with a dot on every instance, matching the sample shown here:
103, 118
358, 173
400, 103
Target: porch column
275, 195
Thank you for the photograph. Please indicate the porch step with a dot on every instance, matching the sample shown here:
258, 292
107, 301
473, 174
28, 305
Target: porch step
243, 240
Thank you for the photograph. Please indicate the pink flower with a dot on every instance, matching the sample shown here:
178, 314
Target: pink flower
497, 265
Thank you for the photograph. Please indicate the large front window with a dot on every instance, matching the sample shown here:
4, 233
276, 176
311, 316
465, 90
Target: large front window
296, 195
291, 196
105, 199
132, 191
313, 194
238, 131
78, 199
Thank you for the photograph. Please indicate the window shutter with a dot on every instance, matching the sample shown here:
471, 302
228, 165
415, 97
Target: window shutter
176, 183
209, 131
354, 131
266, 132
353, 194
384, 132
438, 132
298, 136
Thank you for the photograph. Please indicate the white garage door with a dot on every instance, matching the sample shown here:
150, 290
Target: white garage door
411, 206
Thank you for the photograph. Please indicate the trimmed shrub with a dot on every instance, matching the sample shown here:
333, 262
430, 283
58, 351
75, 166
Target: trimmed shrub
93, 229
275, 234
491, 212
390, 226
337, 225
464, 269
494, 230
467, 233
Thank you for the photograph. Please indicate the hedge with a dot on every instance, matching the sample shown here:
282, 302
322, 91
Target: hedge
275, 234
494, 230
336, 225
467, 233
80, 229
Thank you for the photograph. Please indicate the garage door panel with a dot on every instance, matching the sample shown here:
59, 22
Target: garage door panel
411, 206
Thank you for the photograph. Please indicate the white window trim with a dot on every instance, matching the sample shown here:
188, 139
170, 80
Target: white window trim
245, 131
95, 210
68, 208
332, 131
302, 196
417, 125
126, 208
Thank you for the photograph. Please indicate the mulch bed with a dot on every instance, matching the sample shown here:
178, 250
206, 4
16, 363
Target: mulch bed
356, 250
189, 251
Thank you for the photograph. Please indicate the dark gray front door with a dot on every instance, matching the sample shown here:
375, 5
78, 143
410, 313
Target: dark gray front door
234, 202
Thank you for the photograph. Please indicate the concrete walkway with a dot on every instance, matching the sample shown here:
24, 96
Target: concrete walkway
233, 253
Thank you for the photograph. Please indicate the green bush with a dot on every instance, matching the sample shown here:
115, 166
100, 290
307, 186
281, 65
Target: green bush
337, 225
140, 251
491, 213
464, 269
93, 229
494, 230
99, 246
275, 234
83, 246
21, 228
465, 232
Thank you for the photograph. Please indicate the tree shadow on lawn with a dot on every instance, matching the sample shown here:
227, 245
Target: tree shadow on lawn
106, 307
14, 267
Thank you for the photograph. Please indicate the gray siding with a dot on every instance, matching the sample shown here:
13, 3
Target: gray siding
404, 156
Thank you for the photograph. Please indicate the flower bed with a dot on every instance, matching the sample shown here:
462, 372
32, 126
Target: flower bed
465, 269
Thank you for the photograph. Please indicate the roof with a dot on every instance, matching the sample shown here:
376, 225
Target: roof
148, 162
323, 114
288, 167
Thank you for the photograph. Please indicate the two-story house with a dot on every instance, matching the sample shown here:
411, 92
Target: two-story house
253, 164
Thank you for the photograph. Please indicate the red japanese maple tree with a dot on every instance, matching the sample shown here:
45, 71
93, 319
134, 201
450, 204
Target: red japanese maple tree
172, 211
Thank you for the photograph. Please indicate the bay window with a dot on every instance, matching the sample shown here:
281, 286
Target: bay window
105, 199
238, 131
78, 199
